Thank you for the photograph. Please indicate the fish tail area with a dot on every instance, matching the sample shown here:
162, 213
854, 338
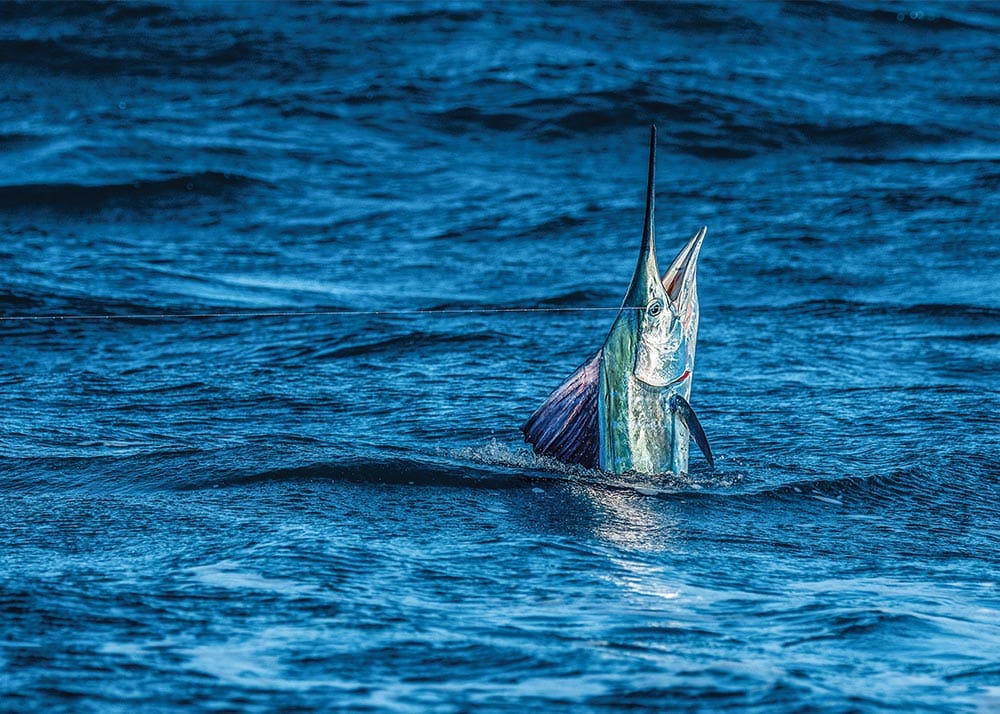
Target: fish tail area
565, 426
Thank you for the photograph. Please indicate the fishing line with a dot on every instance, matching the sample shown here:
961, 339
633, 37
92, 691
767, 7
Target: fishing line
297, 313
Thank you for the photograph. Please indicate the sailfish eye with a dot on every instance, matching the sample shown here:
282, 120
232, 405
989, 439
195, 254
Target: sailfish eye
654, 308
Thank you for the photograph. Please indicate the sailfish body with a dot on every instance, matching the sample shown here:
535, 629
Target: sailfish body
627, 407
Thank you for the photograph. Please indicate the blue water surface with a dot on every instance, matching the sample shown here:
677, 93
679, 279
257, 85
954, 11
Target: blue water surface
326, 511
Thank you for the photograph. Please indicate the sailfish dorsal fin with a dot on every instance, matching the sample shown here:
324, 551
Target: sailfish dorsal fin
565, 426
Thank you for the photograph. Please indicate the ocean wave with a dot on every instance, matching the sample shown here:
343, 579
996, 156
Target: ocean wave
459, 120
702, 19
103, 9
834, 307
410, 341
16, 300
112, 467
705, 124
122, 54
989, 180
119, 12
875, 623
79, 196
571, 298
125, 466
411, 15
636, 104
904, 17
15, 141
398, 471
868, 135
962, 311
834, 490
47, 307
928, 159
574, 298
143, 464
293, 105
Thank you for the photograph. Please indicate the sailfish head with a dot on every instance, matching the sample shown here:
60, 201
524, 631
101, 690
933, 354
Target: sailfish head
664, 310
680, 282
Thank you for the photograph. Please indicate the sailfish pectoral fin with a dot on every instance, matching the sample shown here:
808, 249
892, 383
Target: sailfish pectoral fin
679, 406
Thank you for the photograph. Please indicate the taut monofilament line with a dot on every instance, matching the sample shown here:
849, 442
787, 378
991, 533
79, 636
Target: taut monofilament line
295, 313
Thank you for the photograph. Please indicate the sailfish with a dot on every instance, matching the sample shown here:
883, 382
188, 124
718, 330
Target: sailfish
627, 408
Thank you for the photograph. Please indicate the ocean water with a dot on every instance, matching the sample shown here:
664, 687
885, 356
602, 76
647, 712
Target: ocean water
206, 505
